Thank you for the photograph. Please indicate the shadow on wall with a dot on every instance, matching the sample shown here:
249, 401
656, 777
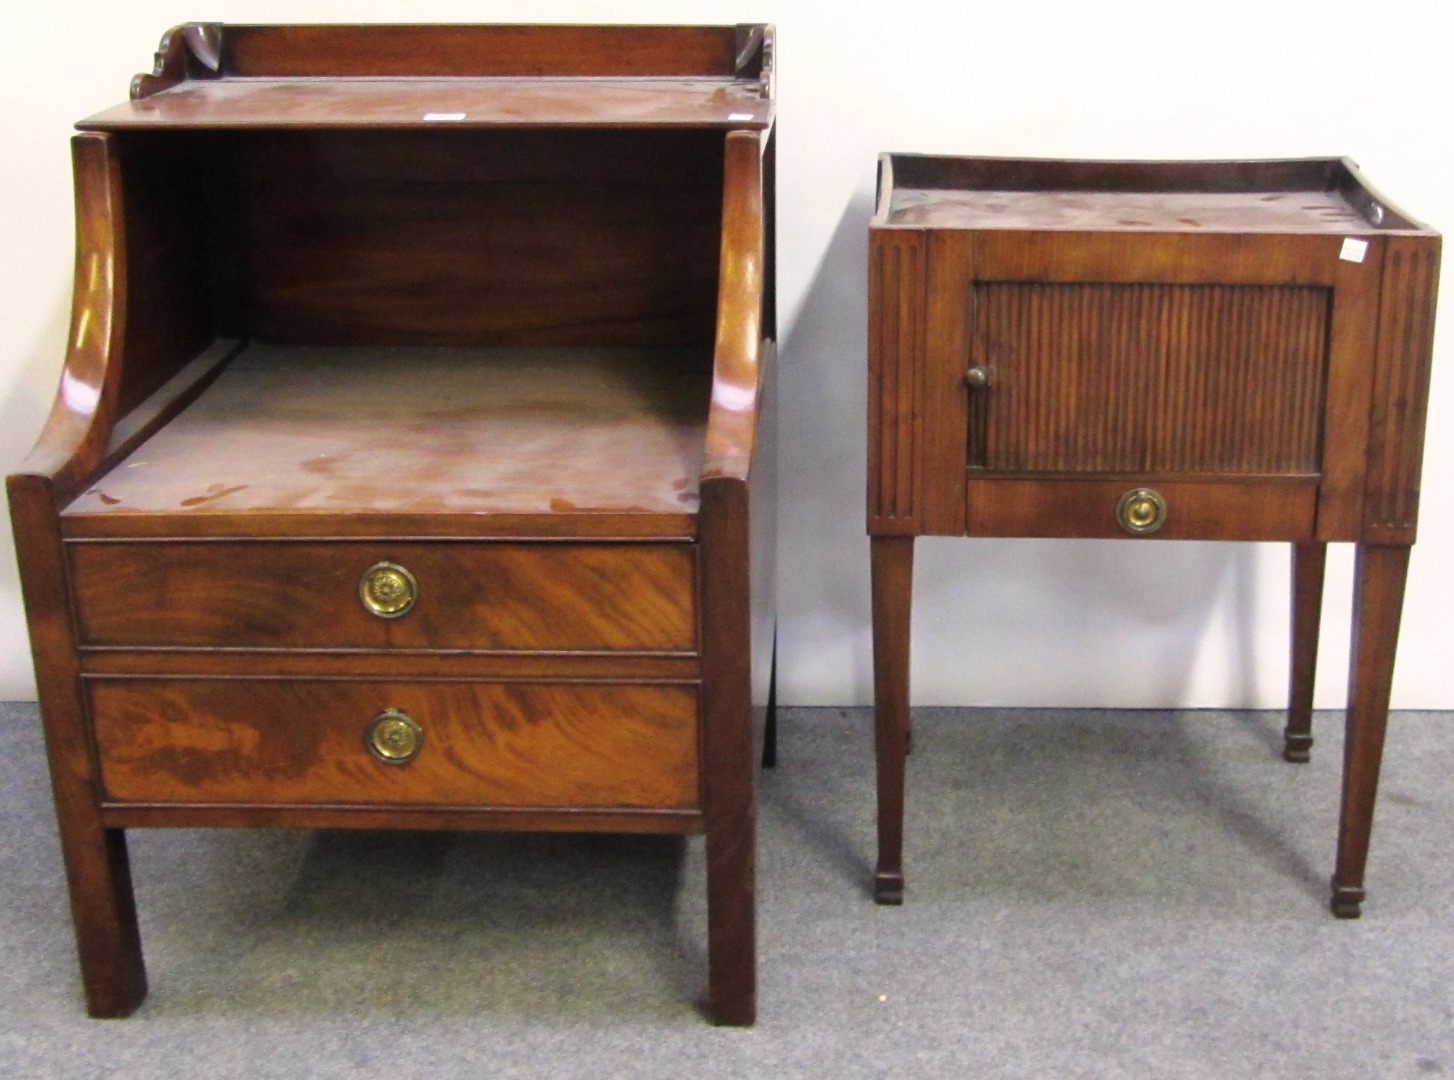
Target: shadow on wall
822, 546
1127, 624
1086, 623
22, 415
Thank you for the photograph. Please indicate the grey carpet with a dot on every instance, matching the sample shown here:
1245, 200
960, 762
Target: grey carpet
1091, 894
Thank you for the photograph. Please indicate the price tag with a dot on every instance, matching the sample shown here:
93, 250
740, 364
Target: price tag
1353, 250
443, 116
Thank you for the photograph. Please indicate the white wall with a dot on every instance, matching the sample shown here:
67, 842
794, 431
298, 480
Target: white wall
1014, 623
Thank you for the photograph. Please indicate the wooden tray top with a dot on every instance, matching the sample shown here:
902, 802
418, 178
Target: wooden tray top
1299, 196
444, 103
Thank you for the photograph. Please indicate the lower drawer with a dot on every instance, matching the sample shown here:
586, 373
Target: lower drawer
1189, 510
269, 741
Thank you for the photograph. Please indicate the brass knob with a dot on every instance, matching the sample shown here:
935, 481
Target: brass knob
394, 737
977, 378
1141, 511
387, 590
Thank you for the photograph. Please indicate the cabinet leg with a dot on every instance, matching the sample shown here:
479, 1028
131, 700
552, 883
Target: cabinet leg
731, 930
1308, 561
892, 559
729, 752
98, 874
104, 912
769, 726
1378, 591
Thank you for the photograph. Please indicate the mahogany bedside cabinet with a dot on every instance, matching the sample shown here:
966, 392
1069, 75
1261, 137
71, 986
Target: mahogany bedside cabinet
1229, 350
411, 464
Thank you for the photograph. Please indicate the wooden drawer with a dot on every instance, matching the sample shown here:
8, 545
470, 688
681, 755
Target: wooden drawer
269, 741
306, 594
1281, 510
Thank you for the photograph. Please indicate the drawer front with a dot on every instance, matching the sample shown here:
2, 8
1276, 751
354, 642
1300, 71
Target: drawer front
1121, 508
297, 594
1149, 378
266, 741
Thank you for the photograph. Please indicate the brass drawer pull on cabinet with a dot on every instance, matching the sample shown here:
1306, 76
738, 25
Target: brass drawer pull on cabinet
977, 378
394, 737
387, 590
1141, 511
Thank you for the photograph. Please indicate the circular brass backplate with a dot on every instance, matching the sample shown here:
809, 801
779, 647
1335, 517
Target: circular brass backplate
387, 590
1141, 511
393, 736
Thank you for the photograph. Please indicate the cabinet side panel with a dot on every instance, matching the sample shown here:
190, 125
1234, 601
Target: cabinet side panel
895, 361
948, 317
169, 320
1352, 343
1401, 389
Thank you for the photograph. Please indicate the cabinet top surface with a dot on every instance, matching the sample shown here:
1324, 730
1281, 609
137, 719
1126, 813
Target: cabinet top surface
1300, 196
299, 430
442, 103
1280, 211
215, 75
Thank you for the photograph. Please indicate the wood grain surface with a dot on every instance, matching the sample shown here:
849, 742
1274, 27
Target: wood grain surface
1380, 575
471, 432
1303, 194
1401, 390
215, 75
482, 237
73, 442
491, 303
485, 744
97, 866
1250, 339
476, 51
443, 103
1149, 378
1027, 507
896, 347
740, 383
1352, 345
306, 595
1308, 563
1198, 211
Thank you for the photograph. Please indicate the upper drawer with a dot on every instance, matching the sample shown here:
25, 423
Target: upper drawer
305, 594
1147, 378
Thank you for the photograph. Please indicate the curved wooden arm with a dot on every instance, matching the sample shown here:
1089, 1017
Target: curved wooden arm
74, 439
736, 363
184, 50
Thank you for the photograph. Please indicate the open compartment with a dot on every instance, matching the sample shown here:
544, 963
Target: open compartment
492, 321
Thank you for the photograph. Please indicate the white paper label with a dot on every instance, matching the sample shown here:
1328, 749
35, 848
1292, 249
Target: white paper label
1353, 250
739, 116
443, 116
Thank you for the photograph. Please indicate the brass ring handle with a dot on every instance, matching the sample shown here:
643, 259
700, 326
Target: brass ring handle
394, 737
387, 590
1141, 511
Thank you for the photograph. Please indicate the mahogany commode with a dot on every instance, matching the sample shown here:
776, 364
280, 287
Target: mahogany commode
1183, 350
412, 461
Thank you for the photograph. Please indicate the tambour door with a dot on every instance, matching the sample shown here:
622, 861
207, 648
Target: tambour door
1033, 383
1144, 408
